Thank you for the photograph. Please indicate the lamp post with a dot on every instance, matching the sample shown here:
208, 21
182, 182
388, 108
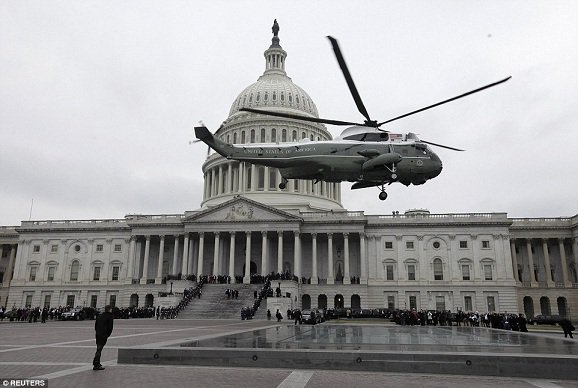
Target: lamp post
171, 292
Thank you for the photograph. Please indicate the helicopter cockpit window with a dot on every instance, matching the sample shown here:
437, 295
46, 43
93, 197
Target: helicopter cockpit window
368, 137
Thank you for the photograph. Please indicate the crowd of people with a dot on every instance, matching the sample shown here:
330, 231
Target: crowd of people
249, 312
506, 321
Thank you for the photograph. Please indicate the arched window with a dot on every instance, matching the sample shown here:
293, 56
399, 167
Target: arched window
528, 307
262, 140
562, 306
438, 269
355, 301
273, 135
545, 308
303, 135
242, 137
149, 300
74, 269
252, 136
338, 301
294, 138
322, 301
284, 135
306, 302
133, 300
235, 138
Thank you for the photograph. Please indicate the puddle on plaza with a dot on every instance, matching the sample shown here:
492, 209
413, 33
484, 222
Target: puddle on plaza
390, 338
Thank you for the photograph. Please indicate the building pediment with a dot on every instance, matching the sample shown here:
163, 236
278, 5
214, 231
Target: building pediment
241, 209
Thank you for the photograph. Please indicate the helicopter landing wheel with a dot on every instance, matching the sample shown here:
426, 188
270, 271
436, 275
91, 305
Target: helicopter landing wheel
394, 176
282, 185
383, 196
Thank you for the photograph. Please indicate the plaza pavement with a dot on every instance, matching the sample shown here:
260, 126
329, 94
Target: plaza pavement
62, 352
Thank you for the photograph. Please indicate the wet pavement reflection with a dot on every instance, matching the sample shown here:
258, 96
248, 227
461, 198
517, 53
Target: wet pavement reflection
392, 338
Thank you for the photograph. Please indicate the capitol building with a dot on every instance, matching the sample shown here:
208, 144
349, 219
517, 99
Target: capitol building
246, 224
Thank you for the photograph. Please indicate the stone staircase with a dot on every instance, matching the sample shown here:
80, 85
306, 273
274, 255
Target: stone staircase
214, 304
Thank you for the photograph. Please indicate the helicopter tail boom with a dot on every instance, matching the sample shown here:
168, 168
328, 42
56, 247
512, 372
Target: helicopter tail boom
204, 135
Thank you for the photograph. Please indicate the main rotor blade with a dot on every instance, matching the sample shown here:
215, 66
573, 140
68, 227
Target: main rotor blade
347, 75
440, 145
446, 101
298, 117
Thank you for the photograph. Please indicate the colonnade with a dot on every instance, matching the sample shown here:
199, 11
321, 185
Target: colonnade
11, 261
241, 177
189, 255
535, 264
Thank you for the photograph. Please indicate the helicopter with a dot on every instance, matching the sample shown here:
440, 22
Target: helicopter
363, 154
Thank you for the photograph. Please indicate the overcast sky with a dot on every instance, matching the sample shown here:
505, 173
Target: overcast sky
98, 98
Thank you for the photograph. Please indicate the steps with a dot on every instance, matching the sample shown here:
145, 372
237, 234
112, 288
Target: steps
214, 304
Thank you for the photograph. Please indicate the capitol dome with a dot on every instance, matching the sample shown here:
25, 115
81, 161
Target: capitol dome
275, 91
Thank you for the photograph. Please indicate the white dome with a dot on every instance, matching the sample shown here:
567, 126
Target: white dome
275, 91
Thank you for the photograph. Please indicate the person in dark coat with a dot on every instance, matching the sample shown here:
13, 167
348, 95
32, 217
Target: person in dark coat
103, 328
568, 327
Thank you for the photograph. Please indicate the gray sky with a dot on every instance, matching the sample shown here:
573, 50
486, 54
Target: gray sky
98, 98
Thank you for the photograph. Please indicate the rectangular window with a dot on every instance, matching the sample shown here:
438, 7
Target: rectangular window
463, 244
70, 300
53, 248
411, 272
465, 272
485, 244
96, 275
491, 304
389, 271
115, 271
440, 303
28, 301
488, 271
413, 302
112, 301
468, 306
99, 247
409, 245
117, 247
391, 302
47, 301
51, 272
93, 300
33, 273
388, 245
36, 249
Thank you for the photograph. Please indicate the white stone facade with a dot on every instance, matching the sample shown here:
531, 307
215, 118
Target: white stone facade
426, 261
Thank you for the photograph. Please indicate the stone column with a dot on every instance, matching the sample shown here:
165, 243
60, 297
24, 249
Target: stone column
330, 277
247, 278
531, 262
11, 261
297, 256
549, 279
159, 278
201, 254
220, 187
514, 259
264, 269
184, 263
230, 178
130, 259
176, 255
232, 257
216, 254
575, 254
190, 257
563, 262
362, 259
145, 267
314, 277
280, 251
346, 276
253, 178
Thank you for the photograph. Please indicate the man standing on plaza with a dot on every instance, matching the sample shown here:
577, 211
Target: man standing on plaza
103, 328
